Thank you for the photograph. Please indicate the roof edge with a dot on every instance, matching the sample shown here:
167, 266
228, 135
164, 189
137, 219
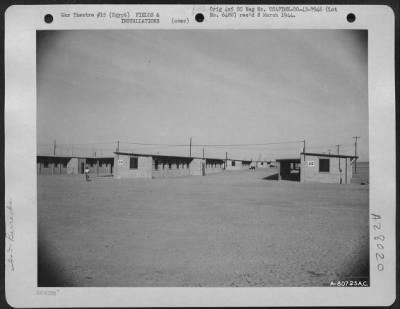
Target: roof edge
327, 155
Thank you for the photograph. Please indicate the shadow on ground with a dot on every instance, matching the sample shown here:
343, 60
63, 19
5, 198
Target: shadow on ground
289, 177
271, 177
49, 274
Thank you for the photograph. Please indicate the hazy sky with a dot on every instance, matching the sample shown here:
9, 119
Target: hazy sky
220, 87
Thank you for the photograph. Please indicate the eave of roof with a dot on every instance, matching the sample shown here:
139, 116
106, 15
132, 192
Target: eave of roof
176, 157
327, 155
162, 156
70, 157
289, 160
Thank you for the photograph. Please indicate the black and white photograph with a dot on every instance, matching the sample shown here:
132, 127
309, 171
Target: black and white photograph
198, 158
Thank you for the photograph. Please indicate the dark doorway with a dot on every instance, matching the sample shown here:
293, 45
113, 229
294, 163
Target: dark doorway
289, 169
82, 168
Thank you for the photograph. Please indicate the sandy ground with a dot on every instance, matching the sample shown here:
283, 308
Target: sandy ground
227, 229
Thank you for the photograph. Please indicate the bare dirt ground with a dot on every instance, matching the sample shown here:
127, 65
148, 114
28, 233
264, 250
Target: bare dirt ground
226, 229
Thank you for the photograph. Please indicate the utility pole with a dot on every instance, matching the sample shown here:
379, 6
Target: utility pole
116, 166
203, 171
190, 148
338, 152
54, 160
355, 153
226, 160
304, 150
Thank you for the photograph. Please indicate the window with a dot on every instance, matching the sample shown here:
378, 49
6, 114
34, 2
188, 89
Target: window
133, 163
177, 164
169, 164
233, 163
324, 165
156, 164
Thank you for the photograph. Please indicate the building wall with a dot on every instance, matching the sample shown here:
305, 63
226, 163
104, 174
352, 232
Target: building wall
42, 170
179, 167
156, 167
310, 170
72, 166
100, 166
100, 170
122, 170
246, 165
196, 167
230, 167
214, 166
81, 165
261, 165
52, 165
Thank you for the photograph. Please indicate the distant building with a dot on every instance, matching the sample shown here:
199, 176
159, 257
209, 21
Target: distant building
261, 164
317, 167
232, 164
64, 165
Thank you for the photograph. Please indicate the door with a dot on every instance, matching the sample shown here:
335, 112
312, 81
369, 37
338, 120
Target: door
82, 167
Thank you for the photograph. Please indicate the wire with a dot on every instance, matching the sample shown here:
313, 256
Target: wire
245, 145
150, 144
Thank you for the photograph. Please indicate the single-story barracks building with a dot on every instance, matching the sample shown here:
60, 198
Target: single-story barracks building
236, 165
139, 165
317, 167
64, 165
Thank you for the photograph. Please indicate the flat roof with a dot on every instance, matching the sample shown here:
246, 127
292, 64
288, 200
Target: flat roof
70, 157
162, 156
177, 157
295, 160
327, 155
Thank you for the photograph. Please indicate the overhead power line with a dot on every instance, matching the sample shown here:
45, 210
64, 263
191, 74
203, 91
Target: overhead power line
153, 144
245, 145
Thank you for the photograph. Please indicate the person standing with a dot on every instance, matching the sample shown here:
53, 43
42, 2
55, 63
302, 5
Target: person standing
87, 171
